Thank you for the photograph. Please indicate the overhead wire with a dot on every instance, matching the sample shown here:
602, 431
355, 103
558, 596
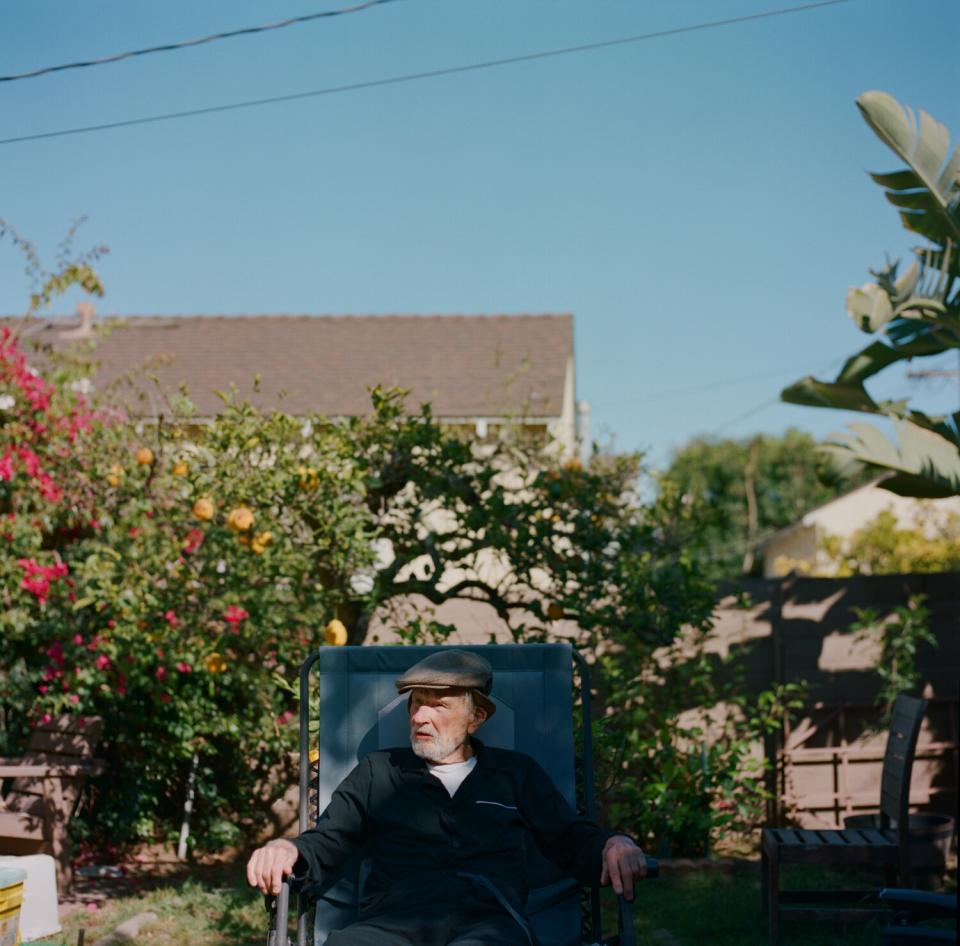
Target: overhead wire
184, 44
426, 74
692, 389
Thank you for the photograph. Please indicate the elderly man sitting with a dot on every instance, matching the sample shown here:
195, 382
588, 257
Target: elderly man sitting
445, 824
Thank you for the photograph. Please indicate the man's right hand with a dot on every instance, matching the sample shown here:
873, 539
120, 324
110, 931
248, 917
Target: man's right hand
268, 865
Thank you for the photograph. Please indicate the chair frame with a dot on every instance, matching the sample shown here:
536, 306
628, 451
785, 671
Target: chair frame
886, 846
279, 907
45, 832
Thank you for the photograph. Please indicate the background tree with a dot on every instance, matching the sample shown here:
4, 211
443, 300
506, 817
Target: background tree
884, 547
745, 490
918, 312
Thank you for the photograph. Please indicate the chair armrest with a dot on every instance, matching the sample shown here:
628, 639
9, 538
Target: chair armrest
917, 905
11, 768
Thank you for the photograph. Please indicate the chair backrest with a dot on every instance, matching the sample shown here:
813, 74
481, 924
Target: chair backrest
902, 737
63, 740
360, 712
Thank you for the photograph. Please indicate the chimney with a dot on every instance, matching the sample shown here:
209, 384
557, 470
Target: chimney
86, 311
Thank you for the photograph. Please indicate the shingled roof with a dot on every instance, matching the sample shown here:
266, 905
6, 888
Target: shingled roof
465, 366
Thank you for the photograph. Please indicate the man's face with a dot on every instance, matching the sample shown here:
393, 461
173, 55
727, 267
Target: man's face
440, 722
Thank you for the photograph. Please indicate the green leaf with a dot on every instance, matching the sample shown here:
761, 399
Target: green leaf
929, 192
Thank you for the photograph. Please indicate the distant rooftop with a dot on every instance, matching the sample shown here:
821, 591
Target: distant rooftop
465, 366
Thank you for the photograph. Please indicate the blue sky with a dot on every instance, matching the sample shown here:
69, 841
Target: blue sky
699, 202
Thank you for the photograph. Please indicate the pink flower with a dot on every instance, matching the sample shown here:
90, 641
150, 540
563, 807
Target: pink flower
164, 697
284, 717
74, 698
161, 673
103, 662
46, 718
43, 689
234, 615
78, 639
171, 618
183, 667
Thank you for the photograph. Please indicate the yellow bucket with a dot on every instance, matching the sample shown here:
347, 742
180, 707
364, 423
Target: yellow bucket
11, 896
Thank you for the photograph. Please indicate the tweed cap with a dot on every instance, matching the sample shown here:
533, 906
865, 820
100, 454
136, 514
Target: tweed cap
444, 669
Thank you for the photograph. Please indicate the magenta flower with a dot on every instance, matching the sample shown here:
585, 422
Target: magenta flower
103, 662
234, 615
171, 618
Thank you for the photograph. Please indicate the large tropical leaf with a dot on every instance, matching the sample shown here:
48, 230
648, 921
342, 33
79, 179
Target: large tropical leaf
925, 463
928, 192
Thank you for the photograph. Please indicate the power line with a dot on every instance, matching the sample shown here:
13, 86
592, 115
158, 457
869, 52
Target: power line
170, 47
693, 389
429, 74
767, 403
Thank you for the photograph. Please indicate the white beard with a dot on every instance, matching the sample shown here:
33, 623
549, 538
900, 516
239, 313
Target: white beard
436, 749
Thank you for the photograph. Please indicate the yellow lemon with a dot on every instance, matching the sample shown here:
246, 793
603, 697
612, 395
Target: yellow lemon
115, 475
308, 478
180, 468
203, 509
335, 633
144, 456
260, 542
240, 519
215, 663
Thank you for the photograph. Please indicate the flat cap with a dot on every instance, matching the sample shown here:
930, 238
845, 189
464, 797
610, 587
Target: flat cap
452, 668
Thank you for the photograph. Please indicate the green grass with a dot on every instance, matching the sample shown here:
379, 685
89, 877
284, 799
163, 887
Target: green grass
214, 907
722, 908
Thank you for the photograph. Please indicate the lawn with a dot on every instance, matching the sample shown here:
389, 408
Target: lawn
687, 907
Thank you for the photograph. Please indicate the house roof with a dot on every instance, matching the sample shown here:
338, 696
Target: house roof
465, 366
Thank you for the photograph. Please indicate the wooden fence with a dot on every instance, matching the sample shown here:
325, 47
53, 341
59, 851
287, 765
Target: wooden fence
827, 764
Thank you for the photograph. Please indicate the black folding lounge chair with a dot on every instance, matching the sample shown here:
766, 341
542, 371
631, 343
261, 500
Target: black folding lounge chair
911, 910
360, 712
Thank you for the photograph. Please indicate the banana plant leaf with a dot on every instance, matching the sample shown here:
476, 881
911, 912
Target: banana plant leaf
928, 191
923, 462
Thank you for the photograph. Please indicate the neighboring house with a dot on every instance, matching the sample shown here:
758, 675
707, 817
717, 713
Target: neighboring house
476, 371
798, 548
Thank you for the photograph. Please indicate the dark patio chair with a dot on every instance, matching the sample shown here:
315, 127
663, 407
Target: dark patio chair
361, 712
44, 789
886, 846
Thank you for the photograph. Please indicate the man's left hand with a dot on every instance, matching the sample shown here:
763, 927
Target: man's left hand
623, 865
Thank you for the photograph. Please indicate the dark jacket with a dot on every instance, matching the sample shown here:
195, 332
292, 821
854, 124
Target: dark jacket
421, 840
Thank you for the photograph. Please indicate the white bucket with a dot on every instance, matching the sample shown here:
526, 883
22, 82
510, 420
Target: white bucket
39, 913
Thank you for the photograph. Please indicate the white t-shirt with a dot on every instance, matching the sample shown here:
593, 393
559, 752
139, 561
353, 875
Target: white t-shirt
453, 774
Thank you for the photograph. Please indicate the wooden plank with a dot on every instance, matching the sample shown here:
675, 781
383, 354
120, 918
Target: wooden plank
832, 914
930, 750
879, 838
74, 744
834, 838
787, 836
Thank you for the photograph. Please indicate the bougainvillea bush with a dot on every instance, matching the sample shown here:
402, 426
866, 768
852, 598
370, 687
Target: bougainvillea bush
169, 580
